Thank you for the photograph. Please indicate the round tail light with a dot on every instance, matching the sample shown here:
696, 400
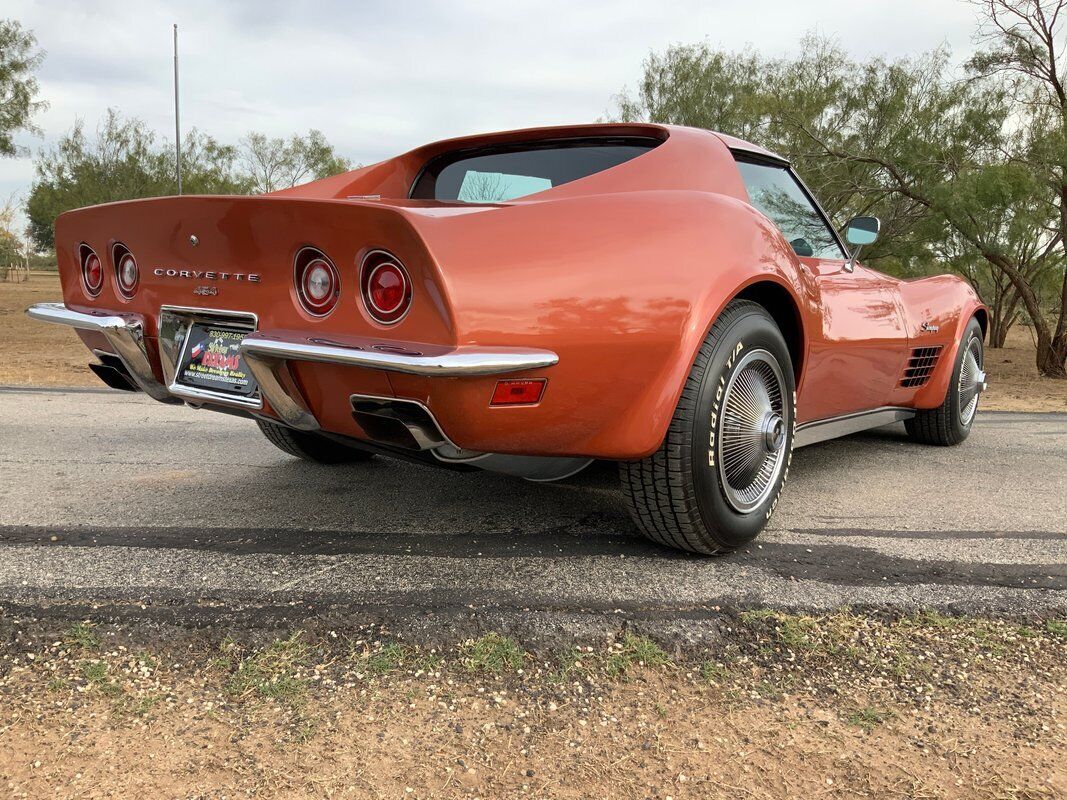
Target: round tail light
92, 271
386, 288
126, 270
317, 283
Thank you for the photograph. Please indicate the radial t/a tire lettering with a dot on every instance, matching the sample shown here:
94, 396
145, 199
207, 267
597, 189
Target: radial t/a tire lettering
716, 478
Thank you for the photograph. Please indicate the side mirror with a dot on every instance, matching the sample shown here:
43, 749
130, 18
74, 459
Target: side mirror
860, 231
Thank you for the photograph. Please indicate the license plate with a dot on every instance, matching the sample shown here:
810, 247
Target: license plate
212, 360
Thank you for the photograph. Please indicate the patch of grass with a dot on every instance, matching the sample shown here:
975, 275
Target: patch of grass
386, 660
94, 671
81, 634
492, 653
273, 673
224, 661
393, 656
796, 633
634, 651
868, 718
1057, 628
791, 630
146, 661
95, 674
758, 615
714, 672
142, 706
58, 685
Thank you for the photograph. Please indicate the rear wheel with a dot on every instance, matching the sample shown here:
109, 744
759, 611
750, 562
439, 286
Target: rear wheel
950, 423
310, 446
715, 480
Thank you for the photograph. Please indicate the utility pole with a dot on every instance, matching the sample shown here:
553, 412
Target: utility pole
177, 117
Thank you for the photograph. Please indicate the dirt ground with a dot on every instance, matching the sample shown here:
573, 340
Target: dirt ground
787, 706
33, 353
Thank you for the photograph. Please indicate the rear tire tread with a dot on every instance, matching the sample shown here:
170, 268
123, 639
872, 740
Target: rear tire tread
310, 446
659, 491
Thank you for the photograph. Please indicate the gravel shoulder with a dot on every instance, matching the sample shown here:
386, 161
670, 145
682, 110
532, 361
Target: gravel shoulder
780, 705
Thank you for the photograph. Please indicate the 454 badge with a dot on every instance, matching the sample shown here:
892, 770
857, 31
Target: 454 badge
212, 361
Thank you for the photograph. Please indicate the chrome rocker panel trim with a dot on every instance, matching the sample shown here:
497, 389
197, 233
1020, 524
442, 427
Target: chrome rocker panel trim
821, 430
125, 334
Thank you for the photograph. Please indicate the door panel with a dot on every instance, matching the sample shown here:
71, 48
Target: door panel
855, 356
855, 359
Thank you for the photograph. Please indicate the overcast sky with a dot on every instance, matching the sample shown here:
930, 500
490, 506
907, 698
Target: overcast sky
381, 77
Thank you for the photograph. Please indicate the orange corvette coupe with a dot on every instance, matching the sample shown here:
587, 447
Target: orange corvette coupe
668, 298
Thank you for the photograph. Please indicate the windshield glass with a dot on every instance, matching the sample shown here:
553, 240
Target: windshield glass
498, 174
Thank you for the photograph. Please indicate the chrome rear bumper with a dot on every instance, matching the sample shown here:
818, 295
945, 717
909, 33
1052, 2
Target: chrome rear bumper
125, 334
268, 354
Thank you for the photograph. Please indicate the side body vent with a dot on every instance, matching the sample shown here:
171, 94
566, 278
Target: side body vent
920, 366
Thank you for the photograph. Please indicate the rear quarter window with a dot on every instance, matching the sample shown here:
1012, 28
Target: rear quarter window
502, 173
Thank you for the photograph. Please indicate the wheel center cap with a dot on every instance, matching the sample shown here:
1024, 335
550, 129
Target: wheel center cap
773, 429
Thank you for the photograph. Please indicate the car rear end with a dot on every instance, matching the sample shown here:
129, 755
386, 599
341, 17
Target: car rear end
273, 306
462, 302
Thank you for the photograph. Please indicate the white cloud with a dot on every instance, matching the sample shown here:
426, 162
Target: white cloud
381, 77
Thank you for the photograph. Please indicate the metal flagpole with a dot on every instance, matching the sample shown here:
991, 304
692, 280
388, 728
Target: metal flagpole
177, 118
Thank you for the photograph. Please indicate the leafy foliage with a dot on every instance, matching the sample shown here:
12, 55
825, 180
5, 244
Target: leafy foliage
19, 59
272, 164
125, 160
966, 173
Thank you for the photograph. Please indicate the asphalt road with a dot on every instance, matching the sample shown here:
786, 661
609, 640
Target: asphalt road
114, 503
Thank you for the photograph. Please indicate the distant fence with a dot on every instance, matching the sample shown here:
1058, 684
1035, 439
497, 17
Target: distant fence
15, 273
18, 273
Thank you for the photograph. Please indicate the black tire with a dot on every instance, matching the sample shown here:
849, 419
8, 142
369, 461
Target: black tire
310, 446
947, 424
680, 496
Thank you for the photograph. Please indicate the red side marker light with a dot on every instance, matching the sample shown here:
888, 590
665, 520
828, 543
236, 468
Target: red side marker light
518, 392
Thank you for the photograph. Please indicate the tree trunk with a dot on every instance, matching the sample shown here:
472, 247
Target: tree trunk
1051, 346
1052, 357
998, 331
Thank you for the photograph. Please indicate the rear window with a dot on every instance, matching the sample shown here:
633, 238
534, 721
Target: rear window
498, 174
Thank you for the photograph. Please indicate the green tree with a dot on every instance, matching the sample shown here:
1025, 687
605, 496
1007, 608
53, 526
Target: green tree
945, 163
19, 59
275, 163
1025, 53
123, 161
776, 102
12, 248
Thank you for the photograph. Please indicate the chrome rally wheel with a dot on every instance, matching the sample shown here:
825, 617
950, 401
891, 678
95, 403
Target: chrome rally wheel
950, 423
752, 431
972, 380
716, 478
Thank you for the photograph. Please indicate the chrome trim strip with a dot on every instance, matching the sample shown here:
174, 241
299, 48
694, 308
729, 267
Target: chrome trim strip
125, 334
279, 389
456, 363
831, 428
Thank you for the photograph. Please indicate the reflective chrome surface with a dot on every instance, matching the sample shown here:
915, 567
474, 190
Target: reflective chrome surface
823, 429
458, 362
752, 434
125, 334
174, 323
972, 380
